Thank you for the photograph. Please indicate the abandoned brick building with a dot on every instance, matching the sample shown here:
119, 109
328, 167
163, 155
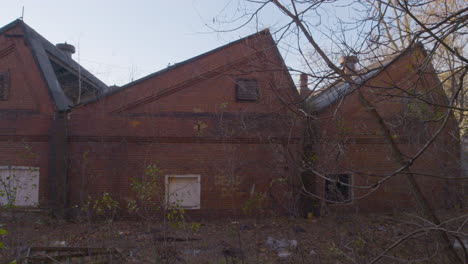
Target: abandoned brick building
352, 148
223, 127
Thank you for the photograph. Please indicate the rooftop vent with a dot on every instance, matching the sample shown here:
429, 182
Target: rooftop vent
66, 48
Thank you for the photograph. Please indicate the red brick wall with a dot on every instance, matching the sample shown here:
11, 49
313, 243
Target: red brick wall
351, 141
156, 120
186, 120
25, 116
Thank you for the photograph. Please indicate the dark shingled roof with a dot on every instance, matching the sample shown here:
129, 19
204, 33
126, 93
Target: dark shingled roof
42, 51
334, 92
339, 89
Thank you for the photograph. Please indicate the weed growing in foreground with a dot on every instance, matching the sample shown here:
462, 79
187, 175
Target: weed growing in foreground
104, 207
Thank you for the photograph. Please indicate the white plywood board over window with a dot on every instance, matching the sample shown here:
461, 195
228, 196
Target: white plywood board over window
183, 191
19, 186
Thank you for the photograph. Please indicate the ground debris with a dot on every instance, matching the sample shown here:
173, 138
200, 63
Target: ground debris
282, 246
176, 239
298, 229
71, 254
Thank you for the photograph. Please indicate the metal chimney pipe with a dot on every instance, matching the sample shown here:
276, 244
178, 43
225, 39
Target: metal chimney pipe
66, 48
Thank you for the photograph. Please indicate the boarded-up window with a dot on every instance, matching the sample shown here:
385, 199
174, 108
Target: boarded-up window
4, 85
246, 90
19, 186
337, 188
183, 191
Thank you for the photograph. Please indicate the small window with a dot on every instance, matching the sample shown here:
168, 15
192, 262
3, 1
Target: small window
337, 188
246, 90
183, 191
4, 85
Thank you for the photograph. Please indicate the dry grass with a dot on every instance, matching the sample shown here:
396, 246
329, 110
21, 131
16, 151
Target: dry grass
330, 239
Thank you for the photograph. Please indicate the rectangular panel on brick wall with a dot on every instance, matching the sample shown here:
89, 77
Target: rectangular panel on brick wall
19, 186
246, 90
183, 190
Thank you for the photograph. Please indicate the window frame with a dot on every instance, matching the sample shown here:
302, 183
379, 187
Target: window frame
6, 84
327, 194
244, 99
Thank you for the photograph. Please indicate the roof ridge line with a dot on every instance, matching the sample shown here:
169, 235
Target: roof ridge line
265, 31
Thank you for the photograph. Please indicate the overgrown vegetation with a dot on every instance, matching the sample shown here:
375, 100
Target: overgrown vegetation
103, 207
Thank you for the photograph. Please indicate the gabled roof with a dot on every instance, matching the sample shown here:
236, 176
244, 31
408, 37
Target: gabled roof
264, 32
201, 76
334, 92
44, 53
338, 90
174, 66
49, 58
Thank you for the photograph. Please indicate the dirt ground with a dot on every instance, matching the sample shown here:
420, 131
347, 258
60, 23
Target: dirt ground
329, 239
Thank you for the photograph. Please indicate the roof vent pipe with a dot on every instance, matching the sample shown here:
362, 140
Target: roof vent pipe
66, 48
349, 64
303, 86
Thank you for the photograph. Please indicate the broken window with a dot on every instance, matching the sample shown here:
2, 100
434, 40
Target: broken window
75, 87
183, 191
337, 188
4, 85
246, 90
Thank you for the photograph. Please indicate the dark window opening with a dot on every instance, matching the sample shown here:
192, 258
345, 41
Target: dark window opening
70, 83
4, 85
337, 188
246, 90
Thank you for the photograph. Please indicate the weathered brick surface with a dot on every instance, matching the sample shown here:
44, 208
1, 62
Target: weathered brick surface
26, 115
187, 120
351, 141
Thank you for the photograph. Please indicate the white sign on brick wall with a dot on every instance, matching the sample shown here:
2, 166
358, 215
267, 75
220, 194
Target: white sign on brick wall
183, 191
19, 186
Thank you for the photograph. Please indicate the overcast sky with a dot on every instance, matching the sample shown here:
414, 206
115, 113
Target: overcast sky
121, 40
